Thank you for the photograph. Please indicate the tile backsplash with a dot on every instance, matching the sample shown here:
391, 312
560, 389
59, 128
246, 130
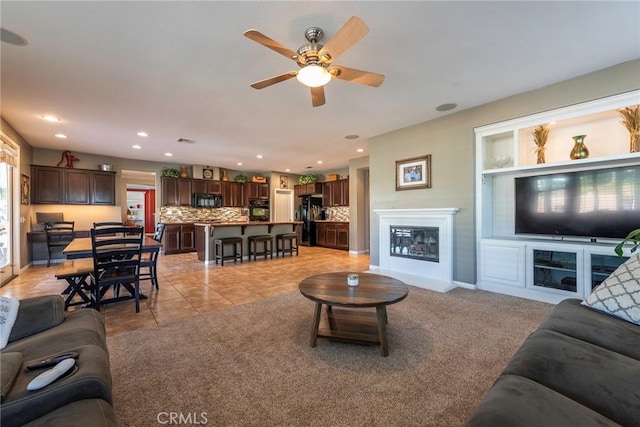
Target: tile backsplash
187, 214
338, 213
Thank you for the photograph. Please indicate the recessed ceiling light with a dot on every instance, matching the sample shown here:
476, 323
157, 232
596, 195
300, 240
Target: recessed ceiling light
446, 107
52, 119
168, 154
319, 162
287, 170
144, 134
352, 137
260, 156
137, 147
61, 136
239, 163
360, 150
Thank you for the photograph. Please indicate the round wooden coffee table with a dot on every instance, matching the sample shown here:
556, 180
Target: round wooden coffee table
358, 326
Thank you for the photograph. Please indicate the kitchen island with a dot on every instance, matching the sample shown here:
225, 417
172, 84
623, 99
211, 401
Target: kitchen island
207, 231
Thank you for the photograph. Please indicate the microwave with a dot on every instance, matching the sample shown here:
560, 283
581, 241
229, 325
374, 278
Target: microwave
206, 200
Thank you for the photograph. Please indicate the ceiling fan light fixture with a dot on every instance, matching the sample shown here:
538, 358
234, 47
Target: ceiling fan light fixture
313, 76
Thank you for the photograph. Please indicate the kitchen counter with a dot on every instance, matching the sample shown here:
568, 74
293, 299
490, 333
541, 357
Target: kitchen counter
207, 231
244, 224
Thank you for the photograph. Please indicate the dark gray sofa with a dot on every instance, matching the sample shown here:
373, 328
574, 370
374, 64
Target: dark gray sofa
83, 397
581, 367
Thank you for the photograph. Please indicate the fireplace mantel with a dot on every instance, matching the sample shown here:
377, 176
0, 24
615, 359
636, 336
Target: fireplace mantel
437, 276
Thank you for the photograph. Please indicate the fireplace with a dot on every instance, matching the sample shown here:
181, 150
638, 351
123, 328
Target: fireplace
416, 246
415, 242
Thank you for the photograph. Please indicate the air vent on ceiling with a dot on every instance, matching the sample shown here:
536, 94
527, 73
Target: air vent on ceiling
187, 141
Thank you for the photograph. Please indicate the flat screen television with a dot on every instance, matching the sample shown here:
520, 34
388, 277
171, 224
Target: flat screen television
602, 203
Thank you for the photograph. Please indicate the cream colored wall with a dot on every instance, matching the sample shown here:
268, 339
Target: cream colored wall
450, 141
358, 204
84, 216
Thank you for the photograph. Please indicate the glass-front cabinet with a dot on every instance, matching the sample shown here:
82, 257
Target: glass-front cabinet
601, 266
555, 270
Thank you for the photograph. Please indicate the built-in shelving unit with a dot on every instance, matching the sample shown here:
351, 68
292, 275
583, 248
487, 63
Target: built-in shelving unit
513, 264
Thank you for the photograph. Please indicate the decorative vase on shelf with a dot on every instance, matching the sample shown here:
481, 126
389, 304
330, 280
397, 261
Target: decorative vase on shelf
540, 134
631, 120
634, 142
579, 151
183, 172
224, 175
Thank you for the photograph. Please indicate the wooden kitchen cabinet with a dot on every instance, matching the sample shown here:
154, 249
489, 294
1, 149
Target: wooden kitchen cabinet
307, 189
52, 185
336, 193
330, 236
179, 238
76, 187
321, 234
176, 192
232, 194
333, 235
103, 188
206, 186
47, 185
342, 236
255, 191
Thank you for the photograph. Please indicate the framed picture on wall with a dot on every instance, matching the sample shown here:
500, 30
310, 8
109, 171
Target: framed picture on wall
24, 190
413, 173
284, 181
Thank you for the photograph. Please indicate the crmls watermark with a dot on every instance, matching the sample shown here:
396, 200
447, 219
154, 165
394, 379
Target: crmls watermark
177, 418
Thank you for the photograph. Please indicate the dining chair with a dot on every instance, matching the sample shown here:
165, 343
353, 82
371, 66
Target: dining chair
117, 253
59, 235
150, 259
108, 224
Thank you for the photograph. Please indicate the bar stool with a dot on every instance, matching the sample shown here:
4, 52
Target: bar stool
281, 244
219, 245
266, 240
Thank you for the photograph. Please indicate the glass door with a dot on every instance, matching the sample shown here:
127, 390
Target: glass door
6, 219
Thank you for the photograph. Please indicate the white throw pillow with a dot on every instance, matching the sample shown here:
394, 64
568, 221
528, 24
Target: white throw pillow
8, 313
619, 294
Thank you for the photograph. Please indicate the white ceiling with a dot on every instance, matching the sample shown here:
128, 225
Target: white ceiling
183, 69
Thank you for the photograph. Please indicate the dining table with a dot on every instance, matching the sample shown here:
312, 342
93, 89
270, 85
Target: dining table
81, 248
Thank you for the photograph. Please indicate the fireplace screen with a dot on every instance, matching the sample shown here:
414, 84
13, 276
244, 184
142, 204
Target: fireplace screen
415, 242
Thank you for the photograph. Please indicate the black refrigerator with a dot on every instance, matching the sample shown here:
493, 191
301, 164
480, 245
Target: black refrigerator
309, 211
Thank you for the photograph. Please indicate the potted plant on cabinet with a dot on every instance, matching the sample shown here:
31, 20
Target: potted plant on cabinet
307, 178
171, 173
241, 178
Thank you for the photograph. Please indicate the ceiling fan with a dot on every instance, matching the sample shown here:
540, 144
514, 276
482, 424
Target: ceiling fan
315, 60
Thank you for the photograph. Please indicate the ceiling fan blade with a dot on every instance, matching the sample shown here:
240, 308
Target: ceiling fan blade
357, 76
273, 80
347, 36
317, 96
257, 36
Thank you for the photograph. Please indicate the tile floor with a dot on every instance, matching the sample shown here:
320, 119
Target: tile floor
189, 288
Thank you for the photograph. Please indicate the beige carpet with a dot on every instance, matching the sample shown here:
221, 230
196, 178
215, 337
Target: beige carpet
252, 364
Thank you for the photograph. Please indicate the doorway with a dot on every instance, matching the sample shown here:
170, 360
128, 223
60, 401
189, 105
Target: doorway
9, 208
283, 209
139, 199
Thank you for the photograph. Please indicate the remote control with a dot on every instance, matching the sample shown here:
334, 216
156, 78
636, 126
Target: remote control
46, 378
52, 361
